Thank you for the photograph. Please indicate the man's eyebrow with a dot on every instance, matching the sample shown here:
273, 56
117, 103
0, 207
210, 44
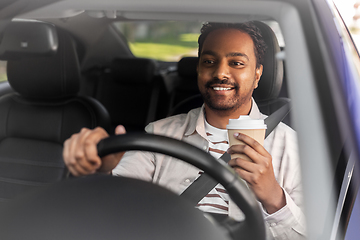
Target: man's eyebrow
232, 54
209, 52
237, 54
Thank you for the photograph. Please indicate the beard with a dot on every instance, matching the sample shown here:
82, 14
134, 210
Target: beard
224, 103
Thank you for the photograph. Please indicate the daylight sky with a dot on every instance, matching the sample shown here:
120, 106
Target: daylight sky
347, 10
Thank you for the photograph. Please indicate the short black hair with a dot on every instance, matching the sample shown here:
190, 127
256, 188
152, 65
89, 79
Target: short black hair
247, 27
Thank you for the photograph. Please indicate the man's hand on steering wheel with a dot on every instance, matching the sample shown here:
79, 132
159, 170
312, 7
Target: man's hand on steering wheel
81, 156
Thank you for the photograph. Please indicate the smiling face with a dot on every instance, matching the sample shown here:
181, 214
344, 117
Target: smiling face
227, 73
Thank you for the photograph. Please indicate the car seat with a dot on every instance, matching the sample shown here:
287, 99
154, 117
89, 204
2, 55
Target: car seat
270, 84
184, 81
130, 90
44, 110
271, 81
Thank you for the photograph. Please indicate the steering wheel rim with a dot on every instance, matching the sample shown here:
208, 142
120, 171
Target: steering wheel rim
253, 225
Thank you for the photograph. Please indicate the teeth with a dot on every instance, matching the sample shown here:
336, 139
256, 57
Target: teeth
221, 88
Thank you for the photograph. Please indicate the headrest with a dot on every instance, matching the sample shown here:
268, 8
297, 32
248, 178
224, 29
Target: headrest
45, 77
186, 67
133, 70
272, 77
26, 38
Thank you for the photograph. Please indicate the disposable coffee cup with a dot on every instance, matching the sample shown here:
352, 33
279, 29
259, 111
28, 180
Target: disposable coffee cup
254, 128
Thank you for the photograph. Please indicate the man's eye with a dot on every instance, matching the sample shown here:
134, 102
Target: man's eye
237, 63
208, 61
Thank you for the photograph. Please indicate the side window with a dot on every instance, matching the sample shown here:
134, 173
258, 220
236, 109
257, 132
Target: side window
3, 76
164, 41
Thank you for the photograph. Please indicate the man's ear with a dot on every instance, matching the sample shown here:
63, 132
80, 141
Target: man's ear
258, 73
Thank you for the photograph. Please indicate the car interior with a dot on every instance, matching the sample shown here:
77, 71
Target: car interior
44, 75
128, 91
62, 77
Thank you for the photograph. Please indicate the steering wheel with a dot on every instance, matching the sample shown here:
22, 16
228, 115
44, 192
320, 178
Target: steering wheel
105, 207
221, 172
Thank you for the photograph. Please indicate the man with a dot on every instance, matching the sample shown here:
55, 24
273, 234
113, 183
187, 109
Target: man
229, 69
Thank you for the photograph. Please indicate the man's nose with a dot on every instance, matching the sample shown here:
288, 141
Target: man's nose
222, 70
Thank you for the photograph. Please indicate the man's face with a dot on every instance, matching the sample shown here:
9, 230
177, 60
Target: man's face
227, 73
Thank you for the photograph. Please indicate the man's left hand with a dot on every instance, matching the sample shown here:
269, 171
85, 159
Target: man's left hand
259, 173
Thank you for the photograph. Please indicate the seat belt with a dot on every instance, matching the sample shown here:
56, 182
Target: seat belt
203, 184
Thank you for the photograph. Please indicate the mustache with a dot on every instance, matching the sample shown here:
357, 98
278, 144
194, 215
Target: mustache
222, 81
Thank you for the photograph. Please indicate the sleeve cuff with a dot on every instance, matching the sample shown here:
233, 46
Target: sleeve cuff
289, 217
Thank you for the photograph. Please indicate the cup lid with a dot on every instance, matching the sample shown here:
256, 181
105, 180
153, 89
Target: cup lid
245, 122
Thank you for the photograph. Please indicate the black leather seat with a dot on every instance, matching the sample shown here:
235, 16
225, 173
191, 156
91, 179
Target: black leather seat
44, 110
185, 79
131, 92
270, 85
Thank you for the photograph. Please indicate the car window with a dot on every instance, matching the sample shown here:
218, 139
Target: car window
168, 40
165, 41
3, 75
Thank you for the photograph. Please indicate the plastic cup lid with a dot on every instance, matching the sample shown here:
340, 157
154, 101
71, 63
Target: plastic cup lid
245, 122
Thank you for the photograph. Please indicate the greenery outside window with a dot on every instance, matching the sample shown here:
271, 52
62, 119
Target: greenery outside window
3, 75
164, 41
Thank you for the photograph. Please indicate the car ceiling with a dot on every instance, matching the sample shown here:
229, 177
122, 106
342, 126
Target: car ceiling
93, 14
12, 8
70, 13
197, 10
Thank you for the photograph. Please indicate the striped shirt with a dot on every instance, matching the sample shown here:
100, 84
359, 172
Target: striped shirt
217, 200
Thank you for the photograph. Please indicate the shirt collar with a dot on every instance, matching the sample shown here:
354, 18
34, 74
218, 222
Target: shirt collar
255, 112
197, 123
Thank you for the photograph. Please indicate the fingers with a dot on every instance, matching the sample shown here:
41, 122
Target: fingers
252, 143
120, 129
253, 149
249, 171
80, 151
258, 172
261, 160
75, 155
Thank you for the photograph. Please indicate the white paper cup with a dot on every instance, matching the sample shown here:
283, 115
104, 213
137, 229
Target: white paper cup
254, 128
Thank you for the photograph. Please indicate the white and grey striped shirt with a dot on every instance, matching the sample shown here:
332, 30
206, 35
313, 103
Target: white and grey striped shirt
217, 200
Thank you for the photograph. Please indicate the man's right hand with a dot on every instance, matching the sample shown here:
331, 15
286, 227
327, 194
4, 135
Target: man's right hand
81, 156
